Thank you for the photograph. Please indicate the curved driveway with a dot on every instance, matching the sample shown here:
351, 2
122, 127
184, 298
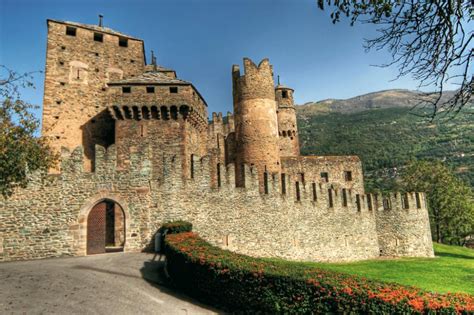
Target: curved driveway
102, 284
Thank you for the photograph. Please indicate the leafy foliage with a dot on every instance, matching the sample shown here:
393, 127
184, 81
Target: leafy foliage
20, 150
428, 40
450, 201
388, 139
244, 284
177, 227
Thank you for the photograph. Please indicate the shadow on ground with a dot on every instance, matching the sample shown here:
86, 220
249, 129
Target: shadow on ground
452, 255
153, 271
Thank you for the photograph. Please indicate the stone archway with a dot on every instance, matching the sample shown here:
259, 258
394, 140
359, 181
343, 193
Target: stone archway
80, 231
105, 228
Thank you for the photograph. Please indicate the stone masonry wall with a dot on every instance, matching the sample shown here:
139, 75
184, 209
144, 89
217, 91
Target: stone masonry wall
49, 217
77, 70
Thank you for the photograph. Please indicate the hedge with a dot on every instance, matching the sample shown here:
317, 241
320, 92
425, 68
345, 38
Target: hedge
177, 227
241, 283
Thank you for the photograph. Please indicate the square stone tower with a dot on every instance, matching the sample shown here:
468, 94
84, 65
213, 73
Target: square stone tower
80, 60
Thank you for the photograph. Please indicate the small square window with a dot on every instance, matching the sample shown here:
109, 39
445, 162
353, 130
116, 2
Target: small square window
324, 177
284, 94
348, 176
173, 89
150, 89
98, 37
123, 42
71, 31
126, 89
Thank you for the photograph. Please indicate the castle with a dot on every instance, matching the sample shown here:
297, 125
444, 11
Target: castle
137, 150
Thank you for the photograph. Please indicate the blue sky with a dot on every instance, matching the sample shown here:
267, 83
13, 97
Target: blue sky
201, 39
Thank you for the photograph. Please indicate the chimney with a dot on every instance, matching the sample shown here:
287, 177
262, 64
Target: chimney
100, 20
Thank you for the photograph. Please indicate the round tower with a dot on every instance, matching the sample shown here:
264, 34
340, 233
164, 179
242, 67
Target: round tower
256, 125
287, 126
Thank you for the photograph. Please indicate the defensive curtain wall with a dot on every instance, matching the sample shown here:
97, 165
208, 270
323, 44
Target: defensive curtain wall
49, 217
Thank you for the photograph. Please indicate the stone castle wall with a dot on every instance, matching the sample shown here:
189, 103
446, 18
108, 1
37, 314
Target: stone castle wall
77, 71
49, 217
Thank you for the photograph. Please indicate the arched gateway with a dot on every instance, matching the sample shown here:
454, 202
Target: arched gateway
105, 228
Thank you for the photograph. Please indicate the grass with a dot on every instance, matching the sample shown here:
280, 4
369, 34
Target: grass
451, 271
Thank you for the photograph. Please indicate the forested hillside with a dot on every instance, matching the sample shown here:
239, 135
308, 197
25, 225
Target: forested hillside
387, 138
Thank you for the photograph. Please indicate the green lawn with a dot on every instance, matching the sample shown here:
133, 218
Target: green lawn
451, 271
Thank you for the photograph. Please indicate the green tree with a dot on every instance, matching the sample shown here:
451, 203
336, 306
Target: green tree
428, 40
450, 200
21, 151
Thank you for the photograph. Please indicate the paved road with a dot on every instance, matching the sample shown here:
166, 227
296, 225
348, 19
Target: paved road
101, 284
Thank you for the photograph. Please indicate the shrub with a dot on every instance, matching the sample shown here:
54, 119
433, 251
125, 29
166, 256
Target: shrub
177, 227
244, 284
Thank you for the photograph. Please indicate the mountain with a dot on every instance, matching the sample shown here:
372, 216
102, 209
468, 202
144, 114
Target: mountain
384, 130
381, 99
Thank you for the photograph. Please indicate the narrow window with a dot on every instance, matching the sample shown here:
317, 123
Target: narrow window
150, 89
358, 202
302, 177
265, 182
98, 37
284, 94
142, 131
315, 197
218, 174
418, 200
348, 176
173, 89
330, 198
298, 196
123, 42
192, 166
71, 31
386, 204
405, 203
126, 89
283, 183
344, 197
369, 202
324, 177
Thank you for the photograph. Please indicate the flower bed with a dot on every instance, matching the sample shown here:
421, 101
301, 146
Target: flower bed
244, 284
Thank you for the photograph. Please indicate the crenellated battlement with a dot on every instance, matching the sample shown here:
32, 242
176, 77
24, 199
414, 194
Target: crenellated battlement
255, 83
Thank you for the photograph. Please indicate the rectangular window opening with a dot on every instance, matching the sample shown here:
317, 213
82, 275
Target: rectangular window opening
418, 200
298, 195
71, 31
123, 42
173, 89
284, 94
344, 197
218, 174
98, 37
369, 202
150, 89
386, 203
283, 183
324, 177
331, 204
405, 202
192, 166
315, 197
348, 176
358, 202
265, 182
126, 89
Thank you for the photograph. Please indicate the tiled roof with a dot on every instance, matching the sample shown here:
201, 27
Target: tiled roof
95, 28
150, 77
